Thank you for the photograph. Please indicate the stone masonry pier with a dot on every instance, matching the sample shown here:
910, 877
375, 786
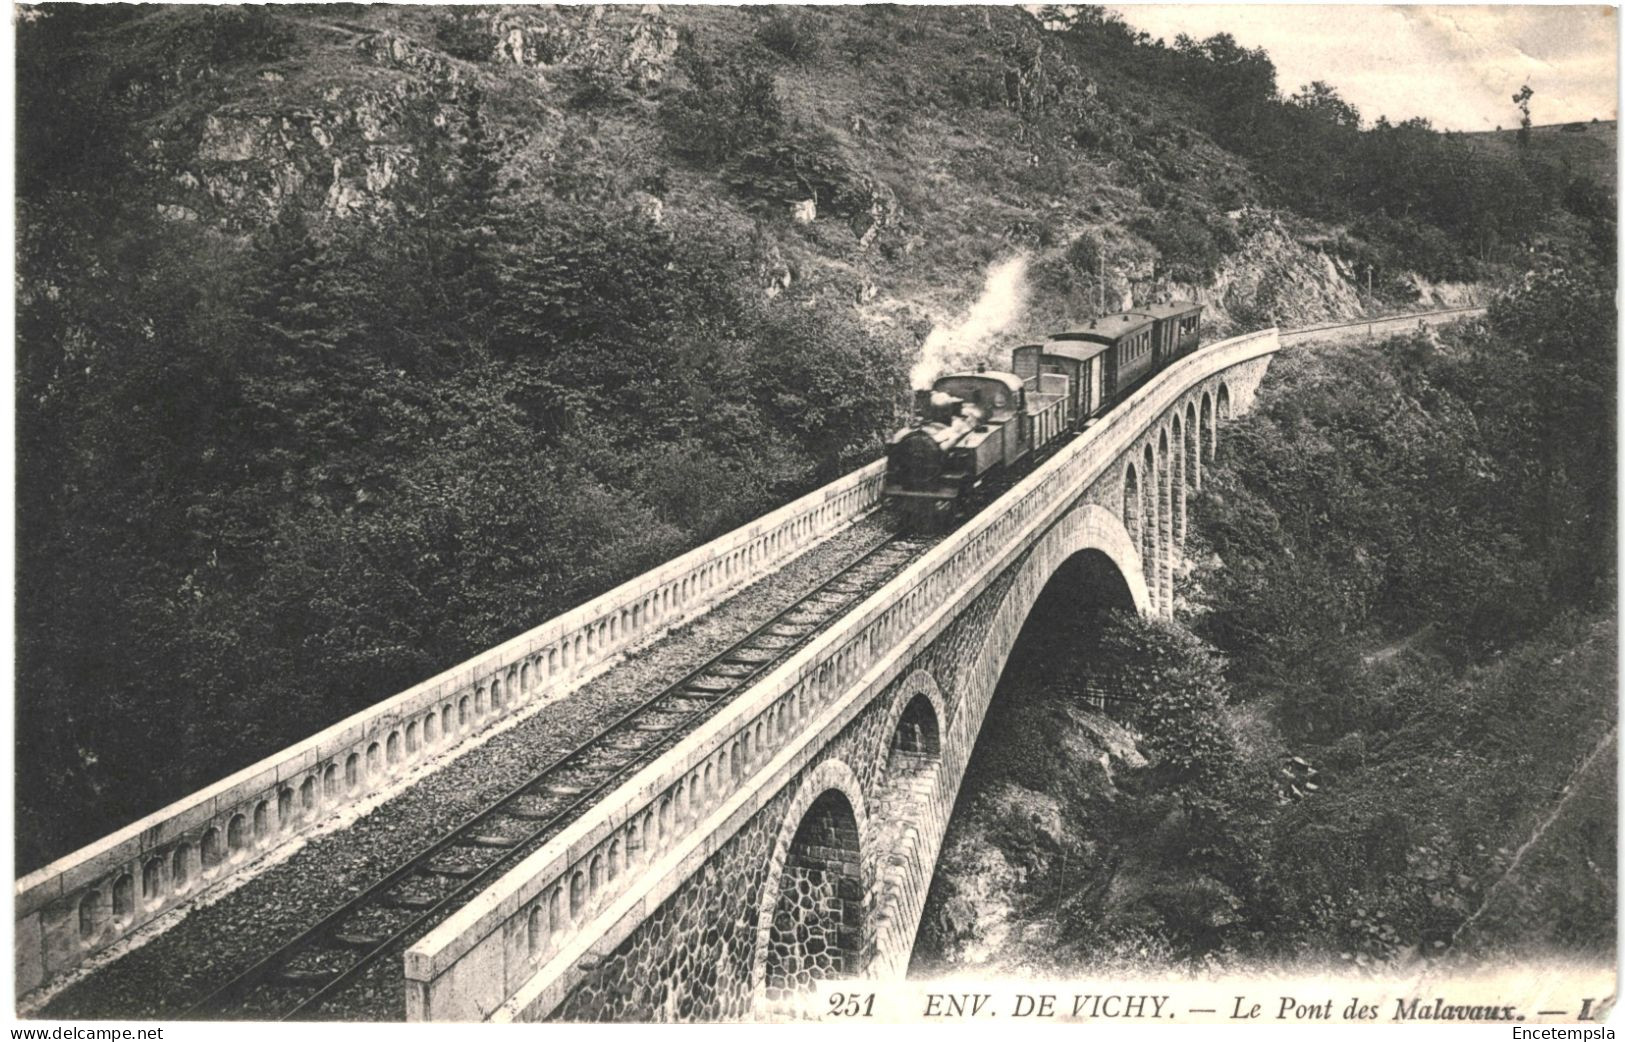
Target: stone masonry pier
792, 836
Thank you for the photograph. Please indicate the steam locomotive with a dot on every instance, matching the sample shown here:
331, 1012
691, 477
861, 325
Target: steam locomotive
971, 428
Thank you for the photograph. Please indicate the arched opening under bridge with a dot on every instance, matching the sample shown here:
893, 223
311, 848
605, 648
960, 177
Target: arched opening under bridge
817, 927
1048, 688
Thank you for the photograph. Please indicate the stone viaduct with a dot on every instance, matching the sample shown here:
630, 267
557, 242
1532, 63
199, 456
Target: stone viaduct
793, 835
790, 837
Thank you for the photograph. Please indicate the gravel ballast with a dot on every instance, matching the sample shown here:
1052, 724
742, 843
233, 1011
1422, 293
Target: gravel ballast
212, 943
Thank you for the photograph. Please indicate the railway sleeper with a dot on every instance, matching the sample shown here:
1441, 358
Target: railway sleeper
360, 942
452, 871
488, 839
826, 601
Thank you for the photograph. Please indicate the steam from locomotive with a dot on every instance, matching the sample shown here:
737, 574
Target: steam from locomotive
1001, 303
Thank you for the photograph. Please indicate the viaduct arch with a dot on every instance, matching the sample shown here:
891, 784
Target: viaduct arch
816, 866
790, 837
786, 839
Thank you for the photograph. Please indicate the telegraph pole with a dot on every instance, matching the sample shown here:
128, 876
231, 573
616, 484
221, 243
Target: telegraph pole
1368, 302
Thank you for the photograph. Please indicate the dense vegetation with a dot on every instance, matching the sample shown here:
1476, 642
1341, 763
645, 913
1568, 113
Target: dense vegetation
1414, 584
265, 484
1404, 196
1385, 726
347, 346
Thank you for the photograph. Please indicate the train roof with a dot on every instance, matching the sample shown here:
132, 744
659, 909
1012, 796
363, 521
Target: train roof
1075, 350
1107, 327
1160, 311
1010, 380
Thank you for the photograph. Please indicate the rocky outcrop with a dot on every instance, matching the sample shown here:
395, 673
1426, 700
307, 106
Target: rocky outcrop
247, 165
1270, 279
634, 44
1444, 294
346, 148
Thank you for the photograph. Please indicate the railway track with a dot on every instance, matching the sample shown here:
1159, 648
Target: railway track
309, 971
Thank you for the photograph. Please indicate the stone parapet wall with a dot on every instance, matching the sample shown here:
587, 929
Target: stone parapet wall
100, 894
1390, 326
517, 950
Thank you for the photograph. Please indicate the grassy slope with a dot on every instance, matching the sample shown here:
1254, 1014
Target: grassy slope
1593, 151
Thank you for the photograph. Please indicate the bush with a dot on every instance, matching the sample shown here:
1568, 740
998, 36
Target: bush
595, 87
802, 166
1191, 247
727, 109
792, 34
1085, 253
247, 33
465, 37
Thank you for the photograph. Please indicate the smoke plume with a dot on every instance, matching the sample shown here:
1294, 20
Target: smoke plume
1004, 295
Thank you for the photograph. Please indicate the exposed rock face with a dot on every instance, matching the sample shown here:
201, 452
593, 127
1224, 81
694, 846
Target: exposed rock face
241, 163
1444, 294
340, 131
636, 45
398, 51
652, 208
1272, 279
1012, 848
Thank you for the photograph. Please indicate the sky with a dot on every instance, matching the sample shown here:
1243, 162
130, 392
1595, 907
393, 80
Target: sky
1458, 66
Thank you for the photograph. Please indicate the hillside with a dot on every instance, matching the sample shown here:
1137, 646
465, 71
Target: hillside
1382, 733
1591, 149
353, 339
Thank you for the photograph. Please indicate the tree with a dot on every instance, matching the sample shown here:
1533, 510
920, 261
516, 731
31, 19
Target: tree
1521, 99
1238, 81
1322, 100
827, 383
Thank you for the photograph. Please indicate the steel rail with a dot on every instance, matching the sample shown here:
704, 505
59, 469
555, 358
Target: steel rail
723, 676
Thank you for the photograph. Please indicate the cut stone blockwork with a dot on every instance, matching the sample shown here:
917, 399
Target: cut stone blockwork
816, 929
86, 901
811, 856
